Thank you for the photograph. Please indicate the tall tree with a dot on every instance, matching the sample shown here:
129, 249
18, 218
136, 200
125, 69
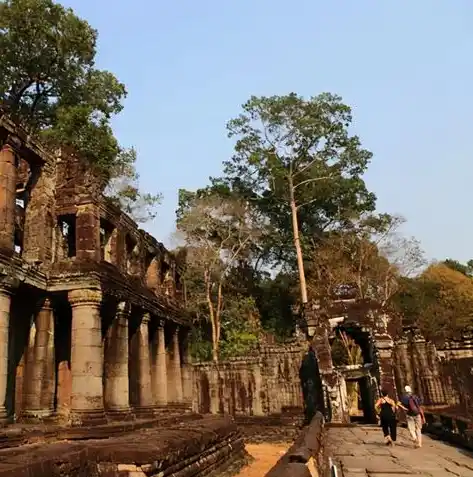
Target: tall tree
49, 83
367, 259
296, 161
218, 233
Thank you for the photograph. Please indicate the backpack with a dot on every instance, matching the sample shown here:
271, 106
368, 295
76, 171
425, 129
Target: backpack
413, 406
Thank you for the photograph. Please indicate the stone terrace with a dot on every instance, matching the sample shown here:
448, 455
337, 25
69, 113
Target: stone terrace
192, 446
360, 451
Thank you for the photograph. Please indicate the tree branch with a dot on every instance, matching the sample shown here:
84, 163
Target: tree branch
314, 179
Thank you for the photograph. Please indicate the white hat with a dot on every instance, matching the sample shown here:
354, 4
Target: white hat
408, 389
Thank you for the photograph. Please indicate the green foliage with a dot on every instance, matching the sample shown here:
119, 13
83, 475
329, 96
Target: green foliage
276, 299
218, 233
345, 351
339, 353
200, 343
240, 327
288, 141
240, 333
49, 83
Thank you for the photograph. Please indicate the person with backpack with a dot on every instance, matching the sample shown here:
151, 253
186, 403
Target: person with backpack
386, 409
414, 415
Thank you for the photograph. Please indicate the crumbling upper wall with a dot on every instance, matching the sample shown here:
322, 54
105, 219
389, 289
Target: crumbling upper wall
58, 230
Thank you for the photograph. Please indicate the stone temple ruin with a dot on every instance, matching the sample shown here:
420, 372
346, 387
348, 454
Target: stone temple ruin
92, 318
95, 372
93, 331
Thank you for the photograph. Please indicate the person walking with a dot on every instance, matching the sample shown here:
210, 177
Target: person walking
414, 415
386, 408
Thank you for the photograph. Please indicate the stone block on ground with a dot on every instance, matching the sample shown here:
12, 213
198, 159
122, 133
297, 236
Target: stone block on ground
185, 449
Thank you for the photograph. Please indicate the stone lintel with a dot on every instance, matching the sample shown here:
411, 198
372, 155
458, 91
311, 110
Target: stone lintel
27, 148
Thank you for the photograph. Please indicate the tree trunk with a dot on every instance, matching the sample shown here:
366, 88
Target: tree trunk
297, 243
213, 318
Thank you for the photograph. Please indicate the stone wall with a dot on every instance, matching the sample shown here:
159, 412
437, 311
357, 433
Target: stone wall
261, 385
441, 374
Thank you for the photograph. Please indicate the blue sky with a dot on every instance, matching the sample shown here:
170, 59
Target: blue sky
405, 67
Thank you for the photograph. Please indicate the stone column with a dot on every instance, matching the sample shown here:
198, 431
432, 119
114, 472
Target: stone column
438, 395
176, 366
86, 357
405, 363
40, 383
39, 223
88, 233
187, 371
214, 385
159, 371
384, 346
145, 397
7, 197
423, 369
116, 384
257, 402
5, 301
329, 378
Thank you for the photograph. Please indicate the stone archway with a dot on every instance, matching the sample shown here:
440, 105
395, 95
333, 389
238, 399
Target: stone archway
370, 327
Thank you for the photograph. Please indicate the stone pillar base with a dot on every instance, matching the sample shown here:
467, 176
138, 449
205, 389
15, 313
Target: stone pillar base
88, 418
145, 412
125, 414
181, 407
36, 414
5, 419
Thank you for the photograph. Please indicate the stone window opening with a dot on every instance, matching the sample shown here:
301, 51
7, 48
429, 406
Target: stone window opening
19, 221
166, 277
67, 236
106, 235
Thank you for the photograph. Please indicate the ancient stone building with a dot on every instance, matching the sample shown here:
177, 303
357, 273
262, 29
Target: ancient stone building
91, 322
269, 383
442, 374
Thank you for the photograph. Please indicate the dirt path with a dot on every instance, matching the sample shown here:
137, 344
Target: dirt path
265, 455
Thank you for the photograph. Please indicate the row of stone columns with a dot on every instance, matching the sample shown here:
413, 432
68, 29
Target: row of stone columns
97, 388
99, 368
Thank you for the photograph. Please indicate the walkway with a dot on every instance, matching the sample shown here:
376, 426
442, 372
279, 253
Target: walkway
360, 451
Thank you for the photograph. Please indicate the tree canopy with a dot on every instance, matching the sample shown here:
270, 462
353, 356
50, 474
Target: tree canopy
299, 170
49, 83
291, 146
439, 302
218, 233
